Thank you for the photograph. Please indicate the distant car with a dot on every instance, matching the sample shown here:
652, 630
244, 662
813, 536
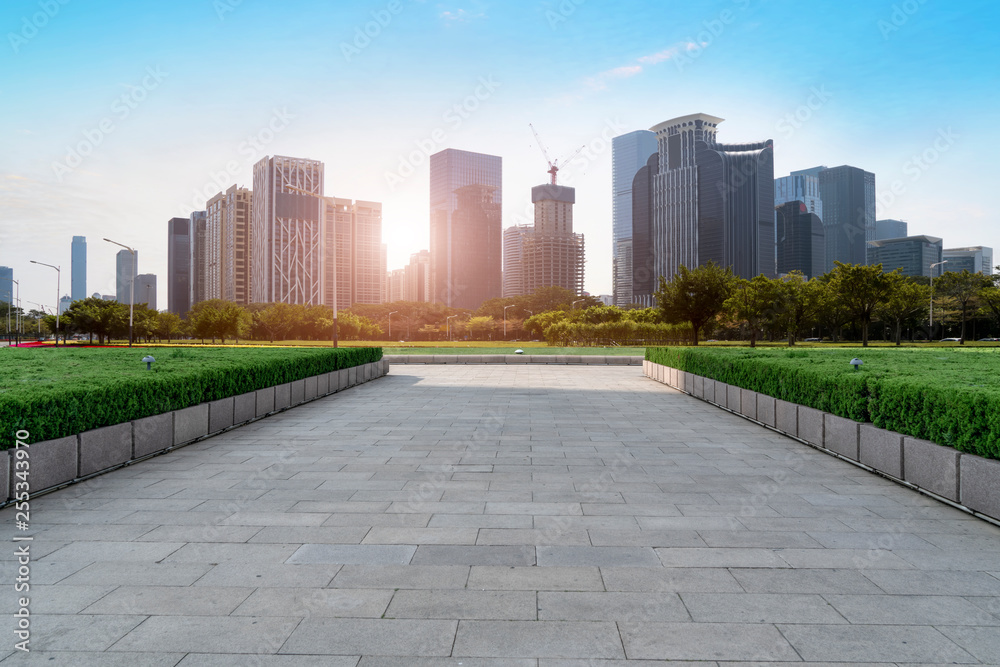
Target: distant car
989, 340
813, 340
951, 340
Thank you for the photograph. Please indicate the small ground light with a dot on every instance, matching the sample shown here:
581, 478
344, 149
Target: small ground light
518, 351
149, 362
856, 363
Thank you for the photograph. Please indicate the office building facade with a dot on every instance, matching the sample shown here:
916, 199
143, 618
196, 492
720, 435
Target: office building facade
145, 290
890, 229
643, 261
629, 153
418, 277
226, 261
513, 259
198, 260
354, 268
800, 240
7, 291
286, 232
65, 301
800, 186
78, 285
466, 202
126, 269
179, 266
913, 254
711, 201
848, 195
974, 259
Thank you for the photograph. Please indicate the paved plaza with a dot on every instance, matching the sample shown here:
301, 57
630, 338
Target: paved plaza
544, 516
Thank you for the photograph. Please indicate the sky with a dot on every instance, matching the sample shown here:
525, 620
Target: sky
117, 116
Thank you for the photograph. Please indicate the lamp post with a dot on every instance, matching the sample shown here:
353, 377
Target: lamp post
39, 319
17, 315
58, 278
530, 314
447, 322
390, 323
932, 294
576, 302
8, 316
131, 288
505, 320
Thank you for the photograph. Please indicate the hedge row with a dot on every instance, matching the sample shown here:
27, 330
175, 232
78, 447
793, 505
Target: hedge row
96, 392
948, 397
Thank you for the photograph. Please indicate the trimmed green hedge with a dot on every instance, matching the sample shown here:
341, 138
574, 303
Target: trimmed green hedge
947, 396
52, 393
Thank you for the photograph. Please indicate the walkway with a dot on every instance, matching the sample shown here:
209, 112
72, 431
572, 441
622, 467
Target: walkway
550, 516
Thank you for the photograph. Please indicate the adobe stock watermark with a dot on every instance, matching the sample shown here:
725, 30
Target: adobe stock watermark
562, 12
365, 34
711, 31
223, 7
121, 109
918, 165
454, 118
900, 16
251, 149
794, 120
31, 25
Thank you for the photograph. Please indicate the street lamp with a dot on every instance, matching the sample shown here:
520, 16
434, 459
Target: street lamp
131, 288
447, 322
17, 315
58, 278
390, 323
39, 319
505, 320
576, 302
932, 294
8, 316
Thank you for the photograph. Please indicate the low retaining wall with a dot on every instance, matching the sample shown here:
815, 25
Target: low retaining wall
967, 480
56, 463
590, 359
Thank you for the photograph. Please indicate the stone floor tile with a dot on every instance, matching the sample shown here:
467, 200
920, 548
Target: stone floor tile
464, 605
383, 637
759, 608
322, 602
541, 639
874, 643
216, 634
709, 641
611, 606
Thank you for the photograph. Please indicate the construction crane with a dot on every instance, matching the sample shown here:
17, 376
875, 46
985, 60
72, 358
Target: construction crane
553, 166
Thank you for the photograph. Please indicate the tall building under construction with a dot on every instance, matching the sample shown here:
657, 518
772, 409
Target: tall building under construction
551, 255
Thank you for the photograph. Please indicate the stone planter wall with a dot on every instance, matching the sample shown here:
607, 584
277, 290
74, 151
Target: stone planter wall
965, 479
62, 461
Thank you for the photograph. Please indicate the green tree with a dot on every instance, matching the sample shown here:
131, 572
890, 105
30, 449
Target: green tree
907, 301
695, 295
481, 328
277, 319
753, 303
966, 288
862, 289
168, 326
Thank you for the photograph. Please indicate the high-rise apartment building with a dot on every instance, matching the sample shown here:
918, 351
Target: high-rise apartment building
198, 259
286, 231
78, 288
801, 240
712, 201
848, 195
552, 255
179, 266
974, 259
396, 285
211, 269
354, 264
418, 277
629, 153
913, 254
227, 245
513, 259
466, 199
890, 229
145, 290
126, 269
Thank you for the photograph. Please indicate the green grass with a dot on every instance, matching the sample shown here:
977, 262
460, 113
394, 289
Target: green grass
945, 394
54, 392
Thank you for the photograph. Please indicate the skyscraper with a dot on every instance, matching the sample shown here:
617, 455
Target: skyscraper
211, 269
227, 248
513, 259
800, 186
712, 201
644, 277
179, 266
466, 199
7, 291
78, 288
801, 240
629, 153
353, 230
974, 259
418, 277
848, 195
552, 255
286, 232
913, 254
145, 290
126, 270
890, 229
199, 253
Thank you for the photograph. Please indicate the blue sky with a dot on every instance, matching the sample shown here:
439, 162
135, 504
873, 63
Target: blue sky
172, 100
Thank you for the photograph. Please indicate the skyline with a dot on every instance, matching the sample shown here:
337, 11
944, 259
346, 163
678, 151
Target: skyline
185, 98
